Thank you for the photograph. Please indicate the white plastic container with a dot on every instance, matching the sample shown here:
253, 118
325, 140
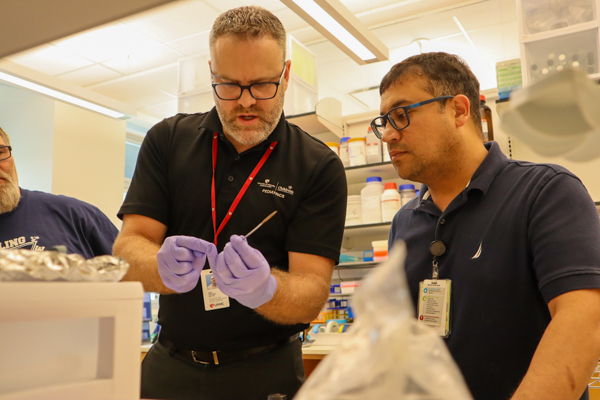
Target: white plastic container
335, 147
407, 193
70, 340
344, 155
390, 202
371, 200
386, 153
357, 150
373, 148
380, 250
354, 211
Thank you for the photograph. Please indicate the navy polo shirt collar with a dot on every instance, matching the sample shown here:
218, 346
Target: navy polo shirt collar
212, 123
490, 167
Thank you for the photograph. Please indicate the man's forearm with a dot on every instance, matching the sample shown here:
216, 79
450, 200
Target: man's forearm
140, 253
565, 358
298, 299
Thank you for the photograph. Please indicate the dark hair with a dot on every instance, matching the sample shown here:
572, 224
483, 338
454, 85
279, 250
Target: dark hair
445, 74
248, 22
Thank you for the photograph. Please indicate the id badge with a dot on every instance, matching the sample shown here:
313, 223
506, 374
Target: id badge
214, 299
434, 305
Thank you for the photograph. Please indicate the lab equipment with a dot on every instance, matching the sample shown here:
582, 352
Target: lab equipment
371, 200
390, 202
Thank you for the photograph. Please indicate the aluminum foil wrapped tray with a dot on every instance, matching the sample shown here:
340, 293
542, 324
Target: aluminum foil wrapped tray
29, 265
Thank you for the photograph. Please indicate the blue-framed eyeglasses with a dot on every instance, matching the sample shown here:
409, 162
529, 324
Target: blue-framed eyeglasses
398, 116
258, 90
5, 152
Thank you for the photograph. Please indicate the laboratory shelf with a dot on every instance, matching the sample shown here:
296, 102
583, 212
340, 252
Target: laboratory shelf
380, 230
385, 170
358, 264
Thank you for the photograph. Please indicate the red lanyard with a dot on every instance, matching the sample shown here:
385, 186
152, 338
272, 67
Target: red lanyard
239, 196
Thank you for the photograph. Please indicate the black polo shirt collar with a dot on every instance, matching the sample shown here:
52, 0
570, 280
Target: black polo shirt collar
212, 123
490, 167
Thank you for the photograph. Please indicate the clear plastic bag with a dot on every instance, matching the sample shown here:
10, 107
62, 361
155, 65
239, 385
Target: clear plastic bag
386, 355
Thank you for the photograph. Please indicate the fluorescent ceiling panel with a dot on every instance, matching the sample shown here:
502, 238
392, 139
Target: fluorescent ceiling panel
334, 21
59, 95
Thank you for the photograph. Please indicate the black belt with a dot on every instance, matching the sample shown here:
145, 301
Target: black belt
223, 357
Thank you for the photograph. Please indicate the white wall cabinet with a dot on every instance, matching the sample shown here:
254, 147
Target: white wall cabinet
556, 34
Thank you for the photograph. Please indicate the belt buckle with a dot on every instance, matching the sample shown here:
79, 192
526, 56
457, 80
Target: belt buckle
215, 358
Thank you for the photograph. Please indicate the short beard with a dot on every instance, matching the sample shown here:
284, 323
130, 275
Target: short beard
9, 196
251, 136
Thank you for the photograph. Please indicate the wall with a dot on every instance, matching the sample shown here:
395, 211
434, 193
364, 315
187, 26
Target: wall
89, 158
63, 149
28, 118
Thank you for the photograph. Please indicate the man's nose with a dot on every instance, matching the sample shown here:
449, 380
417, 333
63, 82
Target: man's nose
390, 134
246, 100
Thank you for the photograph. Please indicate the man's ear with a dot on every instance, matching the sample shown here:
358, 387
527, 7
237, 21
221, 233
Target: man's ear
286, 75
462, 109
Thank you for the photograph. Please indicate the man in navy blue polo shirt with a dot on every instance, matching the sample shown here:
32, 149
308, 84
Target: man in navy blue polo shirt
201, 183
513, 247
33, 220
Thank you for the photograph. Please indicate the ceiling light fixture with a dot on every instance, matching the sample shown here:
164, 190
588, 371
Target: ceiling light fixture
334, 21
59, 95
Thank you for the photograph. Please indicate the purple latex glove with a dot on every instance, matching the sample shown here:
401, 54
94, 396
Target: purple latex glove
243, 273
180, 260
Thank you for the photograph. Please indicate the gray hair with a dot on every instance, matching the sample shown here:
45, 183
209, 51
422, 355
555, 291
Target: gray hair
4, 136
248, 22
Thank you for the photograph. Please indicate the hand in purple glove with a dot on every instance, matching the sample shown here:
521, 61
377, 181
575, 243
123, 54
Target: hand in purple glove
243, 273
180, 260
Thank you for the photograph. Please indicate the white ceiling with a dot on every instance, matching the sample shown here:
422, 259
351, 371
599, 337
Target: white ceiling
134, 60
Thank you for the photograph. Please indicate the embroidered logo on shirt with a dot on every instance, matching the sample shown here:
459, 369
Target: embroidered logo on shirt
478, 252
277, 190
19, 243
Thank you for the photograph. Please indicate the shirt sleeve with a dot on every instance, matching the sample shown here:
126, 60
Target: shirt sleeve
564, 237
318, 226
101, 234
148, 193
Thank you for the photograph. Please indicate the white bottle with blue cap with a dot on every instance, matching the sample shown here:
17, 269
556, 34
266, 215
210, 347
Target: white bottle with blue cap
371, 200
407, 193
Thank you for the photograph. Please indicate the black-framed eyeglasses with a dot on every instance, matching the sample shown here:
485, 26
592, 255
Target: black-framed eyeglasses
5, 152
258, 90
398, 116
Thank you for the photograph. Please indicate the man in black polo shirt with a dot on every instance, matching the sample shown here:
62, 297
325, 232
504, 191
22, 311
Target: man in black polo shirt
515, 245
206, 179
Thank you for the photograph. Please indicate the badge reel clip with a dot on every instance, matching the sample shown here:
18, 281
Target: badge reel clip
434, 296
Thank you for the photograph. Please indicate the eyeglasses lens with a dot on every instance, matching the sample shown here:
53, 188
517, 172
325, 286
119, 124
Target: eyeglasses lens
261, 91
4, 153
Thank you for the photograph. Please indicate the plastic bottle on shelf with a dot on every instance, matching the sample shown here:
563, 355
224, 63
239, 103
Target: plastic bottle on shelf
407, 193
357, 150
386, 153
390, 202
344, 155
354, 211
334, 146
371, 200
373, 147
486, 119
380, 250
